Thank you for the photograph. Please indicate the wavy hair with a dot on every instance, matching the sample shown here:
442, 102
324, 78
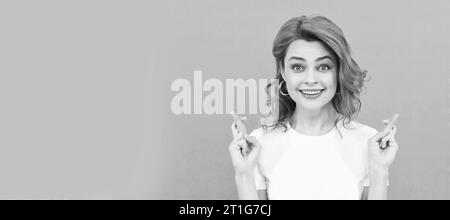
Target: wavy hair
350, 77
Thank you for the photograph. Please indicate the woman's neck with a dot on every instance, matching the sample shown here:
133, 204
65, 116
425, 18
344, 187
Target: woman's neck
314, 122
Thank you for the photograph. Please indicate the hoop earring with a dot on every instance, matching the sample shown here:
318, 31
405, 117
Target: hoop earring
281, 90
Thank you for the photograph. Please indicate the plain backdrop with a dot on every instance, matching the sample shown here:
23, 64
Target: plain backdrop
85, 91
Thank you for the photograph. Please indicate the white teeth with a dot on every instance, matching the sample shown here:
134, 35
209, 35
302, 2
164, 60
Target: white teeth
311, 92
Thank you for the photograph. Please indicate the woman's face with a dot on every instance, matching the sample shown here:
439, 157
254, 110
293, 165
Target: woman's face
310, 73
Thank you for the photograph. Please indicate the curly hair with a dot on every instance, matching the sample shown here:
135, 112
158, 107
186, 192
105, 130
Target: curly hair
350, 77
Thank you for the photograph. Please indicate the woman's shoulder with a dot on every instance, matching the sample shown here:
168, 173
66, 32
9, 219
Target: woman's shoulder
271, 138
269, 132
258, 132
356, 129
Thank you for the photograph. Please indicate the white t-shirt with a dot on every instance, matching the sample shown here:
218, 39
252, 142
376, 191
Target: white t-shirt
298, 166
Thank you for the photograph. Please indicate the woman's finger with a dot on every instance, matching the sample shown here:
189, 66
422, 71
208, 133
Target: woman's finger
234, 145
234, 130
386, 122
242, 143
388, 132
392, 139
391, 123
384, 142
239, 123
252, 141
389, 139
235, 151
238, 144
394, 130
243, 147
246, 151
386, 129
256, 147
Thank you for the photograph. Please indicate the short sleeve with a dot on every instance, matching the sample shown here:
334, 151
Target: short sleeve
260, 180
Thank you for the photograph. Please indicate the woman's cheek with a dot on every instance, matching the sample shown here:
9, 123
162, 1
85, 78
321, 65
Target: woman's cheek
332, 85
290, 83
293, 85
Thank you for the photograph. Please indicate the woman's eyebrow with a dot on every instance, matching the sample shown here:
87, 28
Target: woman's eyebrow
323, 58
303, 59
297, 58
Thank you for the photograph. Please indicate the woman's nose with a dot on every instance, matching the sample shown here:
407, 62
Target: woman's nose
310, 78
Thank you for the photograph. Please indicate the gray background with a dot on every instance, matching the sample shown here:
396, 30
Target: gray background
85, 92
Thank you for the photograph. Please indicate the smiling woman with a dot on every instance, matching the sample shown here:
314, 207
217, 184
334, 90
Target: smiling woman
324, 41
321, 153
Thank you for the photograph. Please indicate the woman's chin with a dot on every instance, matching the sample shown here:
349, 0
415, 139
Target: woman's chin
310, 105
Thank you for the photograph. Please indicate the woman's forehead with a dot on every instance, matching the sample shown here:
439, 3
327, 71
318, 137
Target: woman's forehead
308, 50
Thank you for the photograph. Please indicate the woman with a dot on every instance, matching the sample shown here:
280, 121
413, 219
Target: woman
314, 150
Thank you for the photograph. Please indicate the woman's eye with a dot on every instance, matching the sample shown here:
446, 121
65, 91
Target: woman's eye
324, 68
297, 68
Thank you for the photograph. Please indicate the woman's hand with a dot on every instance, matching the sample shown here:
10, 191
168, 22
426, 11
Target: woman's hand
383, 148
244, 151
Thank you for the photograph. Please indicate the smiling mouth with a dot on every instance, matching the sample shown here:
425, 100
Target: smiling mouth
311, 92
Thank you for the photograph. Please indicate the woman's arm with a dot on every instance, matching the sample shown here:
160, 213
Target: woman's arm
378, 186
245, 151
246, 187
382, 151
